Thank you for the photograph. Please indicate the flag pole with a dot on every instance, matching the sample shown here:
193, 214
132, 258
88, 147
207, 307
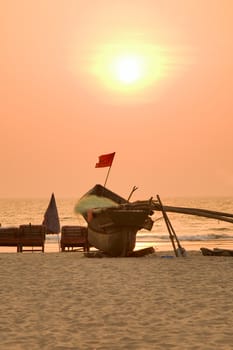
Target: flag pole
107, 176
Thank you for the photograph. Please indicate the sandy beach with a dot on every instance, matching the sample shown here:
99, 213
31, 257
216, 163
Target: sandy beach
68, 301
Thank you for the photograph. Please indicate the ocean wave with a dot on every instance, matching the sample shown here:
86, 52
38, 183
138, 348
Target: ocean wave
165, 237
191, 238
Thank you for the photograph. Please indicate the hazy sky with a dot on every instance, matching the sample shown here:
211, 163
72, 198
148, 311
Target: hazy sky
61, 109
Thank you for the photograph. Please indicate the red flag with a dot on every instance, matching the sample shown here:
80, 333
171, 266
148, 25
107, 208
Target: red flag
105, 160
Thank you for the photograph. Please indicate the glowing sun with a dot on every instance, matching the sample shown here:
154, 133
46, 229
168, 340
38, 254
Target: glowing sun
127, 68
130, 67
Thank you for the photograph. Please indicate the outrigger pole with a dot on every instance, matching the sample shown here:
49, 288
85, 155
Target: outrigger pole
172, 234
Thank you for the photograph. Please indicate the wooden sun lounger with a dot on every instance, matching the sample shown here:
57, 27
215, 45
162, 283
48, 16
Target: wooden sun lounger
32, 236
74, 237
9, 237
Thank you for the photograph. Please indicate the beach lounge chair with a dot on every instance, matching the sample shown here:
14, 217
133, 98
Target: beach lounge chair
9, 237
74, 237
32, 236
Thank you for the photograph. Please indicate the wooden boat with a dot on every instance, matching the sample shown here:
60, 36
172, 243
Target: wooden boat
112, 221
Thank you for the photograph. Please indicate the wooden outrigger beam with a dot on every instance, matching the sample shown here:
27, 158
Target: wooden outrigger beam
195, 211
155, 206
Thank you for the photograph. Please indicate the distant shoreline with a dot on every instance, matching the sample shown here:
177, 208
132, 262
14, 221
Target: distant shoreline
53, 247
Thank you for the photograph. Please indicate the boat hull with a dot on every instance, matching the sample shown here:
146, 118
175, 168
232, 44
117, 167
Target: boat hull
113, 229
119, 243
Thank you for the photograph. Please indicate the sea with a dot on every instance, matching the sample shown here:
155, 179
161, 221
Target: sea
192, 231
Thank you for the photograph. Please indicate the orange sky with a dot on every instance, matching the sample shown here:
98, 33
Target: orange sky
172, 137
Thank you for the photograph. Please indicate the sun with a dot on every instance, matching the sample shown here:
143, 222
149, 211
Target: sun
130, 67
127, 68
